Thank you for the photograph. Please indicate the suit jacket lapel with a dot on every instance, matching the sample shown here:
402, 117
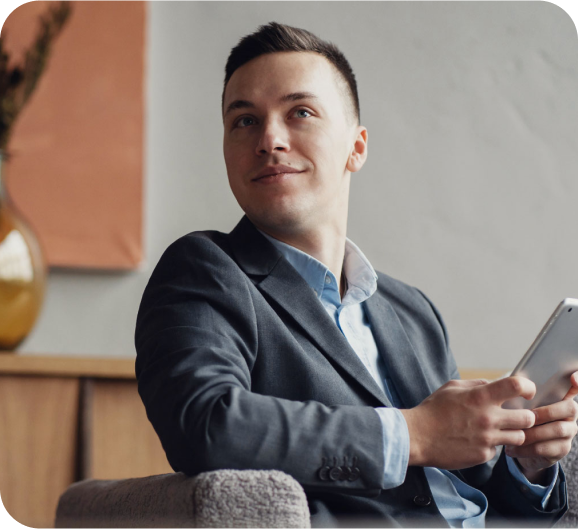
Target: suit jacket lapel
285, 286
401, 361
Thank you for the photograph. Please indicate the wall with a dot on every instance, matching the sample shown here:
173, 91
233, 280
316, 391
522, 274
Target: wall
469, 190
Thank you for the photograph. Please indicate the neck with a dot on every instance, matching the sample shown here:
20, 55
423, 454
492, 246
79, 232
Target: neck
325, 243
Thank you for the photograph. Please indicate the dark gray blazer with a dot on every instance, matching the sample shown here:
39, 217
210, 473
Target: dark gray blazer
239, 366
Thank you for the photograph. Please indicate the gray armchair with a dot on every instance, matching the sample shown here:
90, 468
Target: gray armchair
224, 498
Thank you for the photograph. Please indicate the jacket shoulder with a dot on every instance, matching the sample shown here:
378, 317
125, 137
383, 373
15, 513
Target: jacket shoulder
205, 241
197, 250
410, 302
399, 292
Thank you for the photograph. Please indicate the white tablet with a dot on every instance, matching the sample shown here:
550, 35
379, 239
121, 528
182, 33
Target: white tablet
551, 359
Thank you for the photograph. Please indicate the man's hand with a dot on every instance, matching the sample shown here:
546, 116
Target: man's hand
550, 439
460, 424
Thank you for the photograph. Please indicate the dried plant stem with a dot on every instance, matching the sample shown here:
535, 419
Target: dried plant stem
18, 83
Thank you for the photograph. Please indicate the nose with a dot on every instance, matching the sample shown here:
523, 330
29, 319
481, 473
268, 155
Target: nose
273, 138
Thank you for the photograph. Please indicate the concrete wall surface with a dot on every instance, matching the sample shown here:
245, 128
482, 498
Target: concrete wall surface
469, 191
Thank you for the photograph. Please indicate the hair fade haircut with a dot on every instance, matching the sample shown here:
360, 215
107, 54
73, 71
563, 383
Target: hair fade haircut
275, 37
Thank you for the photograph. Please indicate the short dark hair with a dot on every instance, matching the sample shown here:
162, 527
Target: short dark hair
275, 37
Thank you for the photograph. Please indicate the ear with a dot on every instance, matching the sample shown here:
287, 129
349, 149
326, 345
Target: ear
358, 154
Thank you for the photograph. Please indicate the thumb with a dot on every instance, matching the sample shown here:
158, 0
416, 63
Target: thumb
470, 383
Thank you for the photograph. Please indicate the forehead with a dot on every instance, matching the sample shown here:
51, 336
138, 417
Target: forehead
273, 75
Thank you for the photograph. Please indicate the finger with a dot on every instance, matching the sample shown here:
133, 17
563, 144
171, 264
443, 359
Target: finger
559, 411
515, 419
573, 391
508, 388
550, 450
550, 432
510, 437
469, 383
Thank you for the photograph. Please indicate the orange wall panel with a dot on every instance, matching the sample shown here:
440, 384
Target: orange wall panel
76, 171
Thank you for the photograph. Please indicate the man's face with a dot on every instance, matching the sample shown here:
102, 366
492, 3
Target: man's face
314, 135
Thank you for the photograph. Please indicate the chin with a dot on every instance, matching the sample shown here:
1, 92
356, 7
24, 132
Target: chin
277, 219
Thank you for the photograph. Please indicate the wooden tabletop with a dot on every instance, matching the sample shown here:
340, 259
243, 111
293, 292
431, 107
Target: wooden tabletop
67, 366
105, 367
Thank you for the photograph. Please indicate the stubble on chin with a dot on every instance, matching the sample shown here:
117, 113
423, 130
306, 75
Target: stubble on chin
290, 219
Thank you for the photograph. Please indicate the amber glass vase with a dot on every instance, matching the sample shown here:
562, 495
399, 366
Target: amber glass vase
22, 271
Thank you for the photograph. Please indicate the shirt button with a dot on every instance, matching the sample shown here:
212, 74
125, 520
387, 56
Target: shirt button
422, 501
327, 279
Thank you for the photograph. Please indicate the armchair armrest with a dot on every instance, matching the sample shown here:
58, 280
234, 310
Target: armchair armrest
223, 498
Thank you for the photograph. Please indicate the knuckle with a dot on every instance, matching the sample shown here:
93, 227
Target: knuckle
486, 439
538, 450
541, 450
559, 430
479, 398
569, 429
515, 384
485, 422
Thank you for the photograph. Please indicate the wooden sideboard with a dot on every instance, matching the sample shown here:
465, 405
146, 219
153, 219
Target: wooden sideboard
64, 419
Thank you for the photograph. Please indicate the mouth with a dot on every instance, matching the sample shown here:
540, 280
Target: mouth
277, 177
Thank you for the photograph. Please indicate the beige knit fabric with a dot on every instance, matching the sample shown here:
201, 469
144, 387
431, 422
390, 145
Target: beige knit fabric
250, 498
224, 498
157, 501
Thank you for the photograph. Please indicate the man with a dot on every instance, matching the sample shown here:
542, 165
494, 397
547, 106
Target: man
278, 346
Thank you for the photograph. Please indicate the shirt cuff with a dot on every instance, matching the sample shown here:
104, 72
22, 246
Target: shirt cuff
395, 446
538, 492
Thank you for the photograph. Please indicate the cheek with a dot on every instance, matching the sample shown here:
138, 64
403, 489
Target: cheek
317, 149
327, 147
238, 165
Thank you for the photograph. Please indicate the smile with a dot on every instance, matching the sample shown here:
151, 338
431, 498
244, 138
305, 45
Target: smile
275, 178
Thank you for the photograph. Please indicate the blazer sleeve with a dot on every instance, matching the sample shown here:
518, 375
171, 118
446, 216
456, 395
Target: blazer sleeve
196, 341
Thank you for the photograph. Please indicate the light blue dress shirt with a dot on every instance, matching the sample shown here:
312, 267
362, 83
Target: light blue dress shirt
460, 504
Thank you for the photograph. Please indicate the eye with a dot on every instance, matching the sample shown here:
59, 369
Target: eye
300, 111
242, 122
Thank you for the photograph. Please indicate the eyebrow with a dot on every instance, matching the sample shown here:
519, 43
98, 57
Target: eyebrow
294, 96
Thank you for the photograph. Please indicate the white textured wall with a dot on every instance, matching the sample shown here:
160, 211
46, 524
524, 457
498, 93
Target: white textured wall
469, 191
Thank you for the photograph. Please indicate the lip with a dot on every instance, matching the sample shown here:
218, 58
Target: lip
278, 169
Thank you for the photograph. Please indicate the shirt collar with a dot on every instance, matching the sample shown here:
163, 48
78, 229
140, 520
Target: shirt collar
360, 275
